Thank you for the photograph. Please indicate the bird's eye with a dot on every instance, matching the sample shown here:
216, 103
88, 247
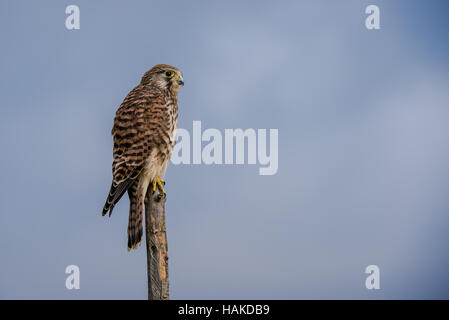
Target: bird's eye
169, 74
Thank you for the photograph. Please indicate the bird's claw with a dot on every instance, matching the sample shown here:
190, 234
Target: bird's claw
160, 184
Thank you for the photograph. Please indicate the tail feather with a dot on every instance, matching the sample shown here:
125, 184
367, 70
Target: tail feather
115, 194
135, 225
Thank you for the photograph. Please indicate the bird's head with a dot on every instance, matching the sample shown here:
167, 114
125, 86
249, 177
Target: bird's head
165, 77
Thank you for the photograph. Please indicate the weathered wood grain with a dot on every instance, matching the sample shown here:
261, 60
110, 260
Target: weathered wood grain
156, 243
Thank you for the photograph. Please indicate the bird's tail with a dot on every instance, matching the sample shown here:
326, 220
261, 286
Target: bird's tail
135, 222
115, 194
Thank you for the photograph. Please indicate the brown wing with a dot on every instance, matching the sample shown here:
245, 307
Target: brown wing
135, 126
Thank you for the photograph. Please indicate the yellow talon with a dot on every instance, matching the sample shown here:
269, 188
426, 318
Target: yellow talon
160, 183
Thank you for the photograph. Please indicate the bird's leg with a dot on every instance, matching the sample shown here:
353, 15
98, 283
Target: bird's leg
160, 184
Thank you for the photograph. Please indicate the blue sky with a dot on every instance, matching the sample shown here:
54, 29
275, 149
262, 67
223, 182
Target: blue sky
363, 148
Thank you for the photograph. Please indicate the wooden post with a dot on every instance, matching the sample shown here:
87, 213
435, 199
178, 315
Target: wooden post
156, 239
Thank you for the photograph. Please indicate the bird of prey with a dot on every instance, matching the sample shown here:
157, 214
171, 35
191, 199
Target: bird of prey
144, 134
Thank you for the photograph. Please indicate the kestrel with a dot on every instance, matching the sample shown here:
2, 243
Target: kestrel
144, 134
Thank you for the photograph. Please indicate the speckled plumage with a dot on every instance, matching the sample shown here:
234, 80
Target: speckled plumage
144, 134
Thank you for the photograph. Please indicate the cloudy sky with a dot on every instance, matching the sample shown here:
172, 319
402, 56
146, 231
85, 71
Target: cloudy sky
363, 172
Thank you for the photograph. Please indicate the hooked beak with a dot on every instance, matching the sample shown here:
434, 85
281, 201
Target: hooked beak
179, 80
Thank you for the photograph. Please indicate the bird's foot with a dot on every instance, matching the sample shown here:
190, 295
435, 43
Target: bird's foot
160, 184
